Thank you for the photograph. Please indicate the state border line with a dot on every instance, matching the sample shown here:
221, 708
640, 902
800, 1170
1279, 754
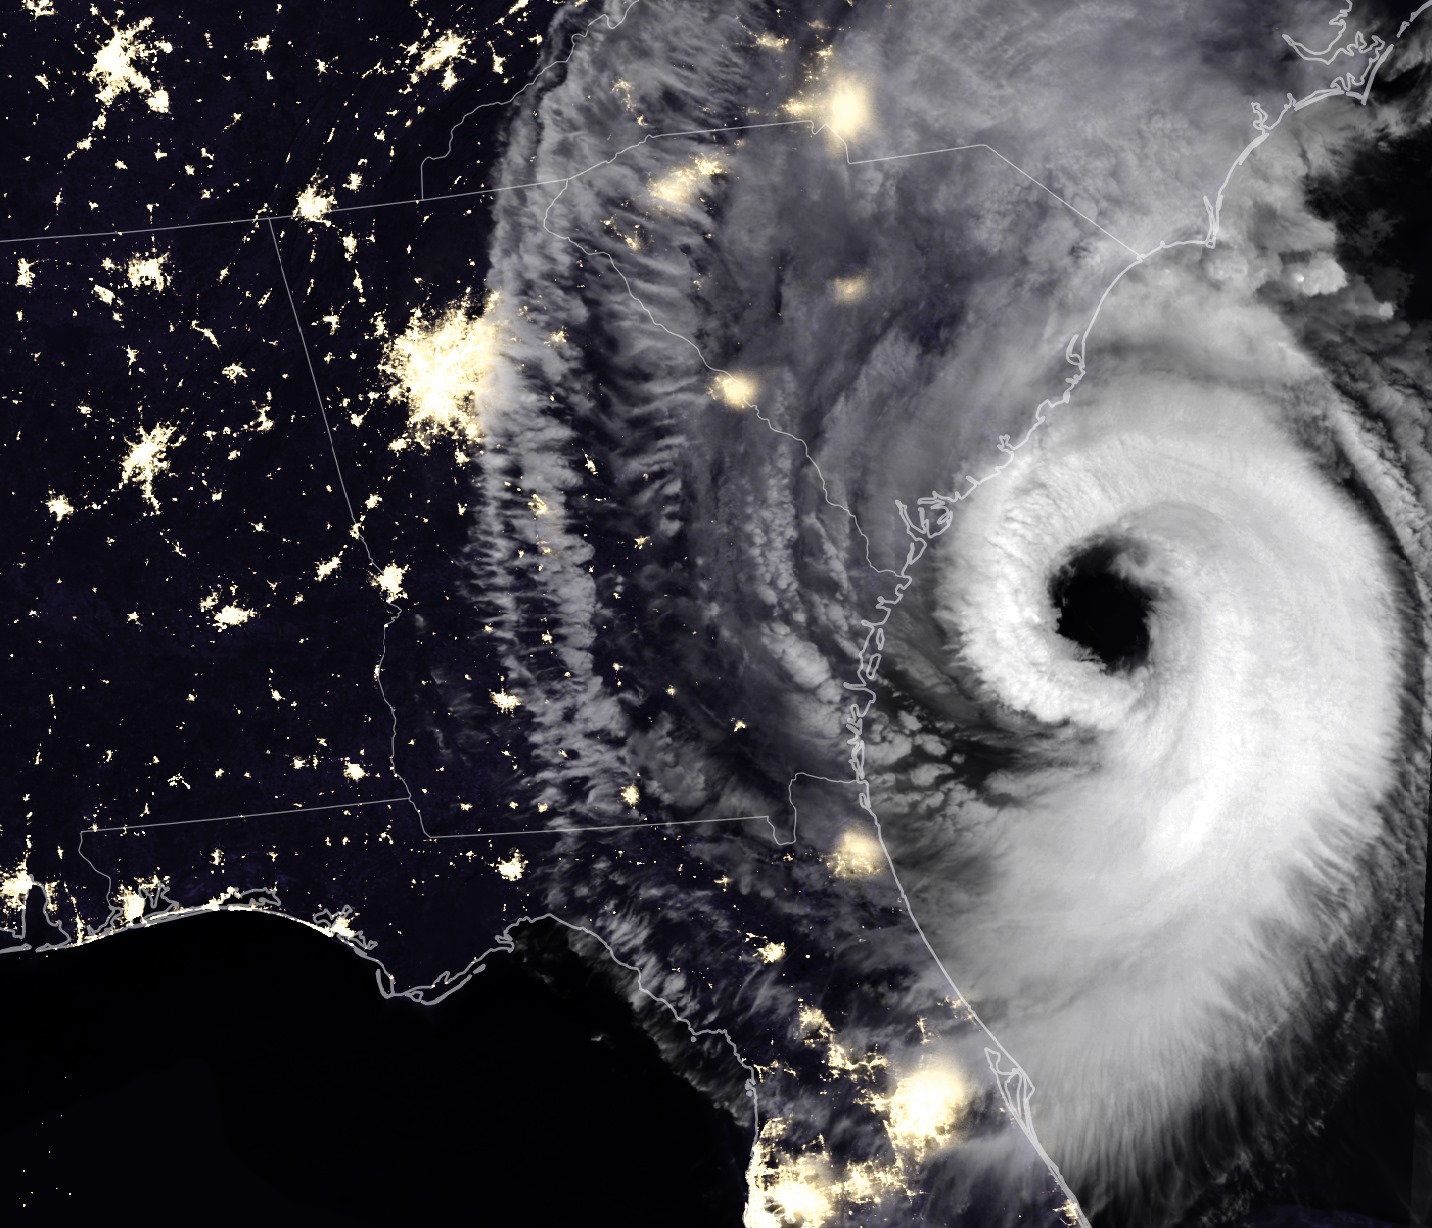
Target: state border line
375, 572
391, 801
254, 814
545, 831
814, 127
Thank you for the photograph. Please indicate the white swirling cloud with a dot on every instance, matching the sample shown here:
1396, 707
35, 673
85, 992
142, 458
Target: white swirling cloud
1193, 796
1144, 877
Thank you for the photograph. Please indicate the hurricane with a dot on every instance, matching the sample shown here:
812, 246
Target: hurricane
1024, 491
1194, 663
895, 537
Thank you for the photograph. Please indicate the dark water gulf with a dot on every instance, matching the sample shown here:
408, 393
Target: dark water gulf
239, 1069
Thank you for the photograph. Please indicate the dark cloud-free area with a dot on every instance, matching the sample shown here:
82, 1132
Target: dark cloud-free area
228, 1068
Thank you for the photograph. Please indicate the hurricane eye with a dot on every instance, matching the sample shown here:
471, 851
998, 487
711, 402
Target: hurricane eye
1102, 609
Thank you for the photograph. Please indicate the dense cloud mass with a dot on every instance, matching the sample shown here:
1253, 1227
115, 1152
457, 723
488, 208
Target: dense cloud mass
780, 374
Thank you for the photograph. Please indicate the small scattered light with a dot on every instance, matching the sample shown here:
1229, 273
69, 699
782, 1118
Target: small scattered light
390, 580
513, 867
440, 369
232, 616
925, 1108
149, 271
504, 702
146, 460
313, 203
843, 109
736, 390
682, 186
857, 854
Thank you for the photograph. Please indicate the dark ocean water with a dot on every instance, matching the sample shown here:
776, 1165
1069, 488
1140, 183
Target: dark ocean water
239, 1069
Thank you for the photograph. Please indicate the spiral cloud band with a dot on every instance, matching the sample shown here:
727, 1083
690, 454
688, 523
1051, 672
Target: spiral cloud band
1145, 748
1175, 807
